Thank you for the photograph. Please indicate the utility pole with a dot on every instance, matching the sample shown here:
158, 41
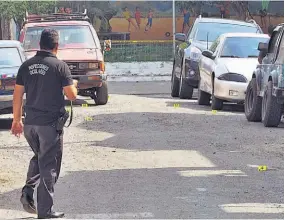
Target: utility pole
173, 25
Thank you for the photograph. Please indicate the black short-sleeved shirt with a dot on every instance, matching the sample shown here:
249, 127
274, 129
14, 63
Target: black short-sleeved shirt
43, 77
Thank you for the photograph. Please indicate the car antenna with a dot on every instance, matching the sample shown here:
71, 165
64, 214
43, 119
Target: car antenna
207, 40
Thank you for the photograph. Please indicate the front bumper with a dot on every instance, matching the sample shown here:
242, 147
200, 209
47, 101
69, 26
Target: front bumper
6, 101
192, 73
230, 91
90, 80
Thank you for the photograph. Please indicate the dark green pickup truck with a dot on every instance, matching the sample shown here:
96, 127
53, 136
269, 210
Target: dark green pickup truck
264, 99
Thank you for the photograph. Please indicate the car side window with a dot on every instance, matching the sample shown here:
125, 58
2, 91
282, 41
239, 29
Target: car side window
189, 31
273, 42
192, 31
279, 48
215, 45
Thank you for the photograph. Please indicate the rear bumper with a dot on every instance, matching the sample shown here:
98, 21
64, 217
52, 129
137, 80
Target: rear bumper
230, 91
90, 80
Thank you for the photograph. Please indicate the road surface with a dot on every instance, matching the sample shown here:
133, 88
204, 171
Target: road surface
147, 155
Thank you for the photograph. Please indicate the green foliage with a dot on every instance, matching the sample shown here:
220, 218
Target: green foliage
16, 9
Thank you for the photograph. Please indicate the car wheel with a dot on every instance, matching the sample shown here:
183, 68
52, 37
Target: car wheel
203, 97
185, 91
217, 104
253, 102
101, 97
271, 110
174, 84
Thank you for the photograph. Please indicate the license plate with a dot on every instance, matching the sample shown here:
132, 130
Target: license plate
93, 78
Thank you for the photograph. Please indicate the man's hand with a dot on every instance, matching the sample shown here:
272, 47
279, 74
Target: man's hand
75, 83
17, 128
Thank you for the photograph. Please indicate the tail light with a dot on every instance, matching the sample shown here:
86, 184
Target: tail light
102, 66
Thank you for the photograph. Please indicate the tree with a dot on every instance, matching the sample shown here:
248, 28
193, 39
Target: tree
16, 9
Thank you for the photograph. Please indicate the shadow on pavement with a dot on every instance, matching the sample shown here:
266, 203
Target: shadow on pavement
171, 192
228, 107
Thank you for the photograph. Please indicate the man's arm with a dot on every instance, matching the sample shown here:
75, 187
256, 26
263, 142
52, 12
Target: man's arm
19, 91
68, 84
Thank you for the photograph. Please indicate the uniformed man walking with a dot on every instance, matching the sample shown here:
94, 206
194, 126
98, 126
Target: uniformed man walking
43, 78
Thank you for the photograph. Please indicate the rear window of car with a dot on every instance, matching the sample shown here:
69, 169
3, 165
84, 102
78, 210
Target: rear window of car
70, 37
247, 47
211, 30
10, 57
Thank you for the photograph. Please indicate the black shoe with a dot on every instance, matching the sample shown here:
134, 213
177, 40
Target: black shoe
52, 215
28, 203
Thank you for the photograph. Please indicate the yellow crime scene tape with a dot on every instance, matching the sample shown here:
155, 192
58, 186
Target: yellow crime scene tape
141, 41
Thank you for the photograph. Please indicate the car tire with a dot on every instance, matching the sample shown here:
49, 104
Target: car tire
271, 110
253, 102
185, 91
101, 97
217, 104
174, 84
203, 97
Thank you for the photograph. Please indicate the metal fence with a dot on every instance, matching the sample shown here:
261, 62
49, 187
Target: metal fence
140, 51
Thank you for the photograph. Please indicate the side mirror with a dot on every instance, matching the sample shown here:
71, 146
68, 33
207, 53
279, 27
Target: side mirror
208, 54
263, 47
107, 45
180, 37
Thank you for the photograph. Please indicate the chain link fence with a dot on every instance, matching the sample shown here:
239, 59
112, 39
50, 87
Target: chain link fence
140, 51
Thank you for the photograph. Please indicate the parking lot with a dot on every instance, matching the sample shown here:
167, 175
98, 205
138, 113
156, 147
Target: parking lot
147, 155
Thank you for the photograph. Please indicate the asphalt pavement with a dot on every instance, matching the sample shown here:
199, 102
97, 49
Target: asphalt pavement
147, 155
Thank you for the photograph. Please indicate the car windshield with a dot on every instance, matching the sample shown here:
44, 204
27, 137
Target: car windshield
214, 30
247, 47
10, 57
69, 37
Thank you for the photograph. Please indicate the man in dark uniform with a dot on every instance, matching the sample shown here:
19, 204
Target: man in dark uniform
43, 78
263, 54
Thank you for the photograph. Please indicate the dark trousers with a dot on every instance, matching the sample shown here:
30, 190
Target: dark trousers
44, 167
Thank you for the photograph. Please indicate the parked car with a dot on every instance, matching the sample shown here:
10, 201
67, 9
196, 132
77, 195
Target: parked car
264, 99
185, 72
11, 58
226, 68
79, 47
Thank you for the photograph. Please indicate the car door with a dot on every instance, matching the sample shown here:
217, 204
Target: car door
208, 66
180, 51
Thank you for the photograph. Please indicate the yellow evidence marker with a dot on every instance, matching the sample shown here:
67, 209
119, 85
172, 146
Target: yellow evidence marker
84, 105
262, 168
88, 118
214, 111
176, 105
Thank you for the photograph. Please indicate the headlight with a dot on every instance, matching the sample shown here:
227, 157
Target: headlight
194, 54
83, 66
88, 65
234, 77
